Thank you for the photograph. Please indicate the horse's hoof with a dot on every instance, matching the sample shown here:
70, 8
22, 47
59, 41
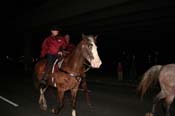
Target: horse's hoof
43, 108
149, 114
54, 111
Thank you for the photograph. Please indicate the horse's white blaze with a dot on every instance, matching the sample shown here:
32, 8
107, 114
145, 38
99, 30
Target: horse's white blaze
73, 112
96, 62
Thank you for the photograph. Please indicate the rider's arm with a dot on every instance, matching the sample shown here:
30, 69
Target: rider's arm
44, 48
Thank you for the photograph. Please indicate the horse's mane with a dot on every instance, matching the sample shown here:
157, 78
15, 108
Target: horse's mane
75, 49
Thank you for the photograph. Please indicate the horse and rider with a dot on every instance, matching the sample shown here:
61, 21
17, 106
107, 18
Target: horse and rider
53, 47
72, 71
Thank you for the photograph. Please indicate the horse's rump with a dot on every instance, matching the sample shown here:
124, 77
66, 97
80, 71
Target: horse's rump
40, 68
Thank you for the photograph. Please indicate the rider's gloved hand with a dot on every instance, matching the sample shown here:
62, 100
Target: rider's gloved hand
60, 54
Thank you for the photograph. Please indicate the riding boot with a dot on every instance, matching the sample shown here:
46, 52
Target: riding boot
43, 81
44, 78
50, 60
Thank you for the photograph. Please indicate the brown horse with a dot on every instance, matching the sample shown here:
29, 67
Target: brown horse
165, 75
72, 71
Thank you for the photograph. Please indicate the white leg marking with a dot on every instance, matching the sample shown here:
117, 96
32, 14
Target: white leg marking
73, 112
8, 101
41, 96
42, 99
55, 85
52, 79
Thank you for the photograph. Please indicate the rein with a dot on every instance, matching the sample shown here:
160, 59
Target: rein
76, 75
70, 74
88, 68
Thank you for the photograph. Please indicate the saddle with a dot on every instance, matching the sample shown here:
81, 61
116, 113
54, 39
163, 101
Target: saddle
54, 68
57, 65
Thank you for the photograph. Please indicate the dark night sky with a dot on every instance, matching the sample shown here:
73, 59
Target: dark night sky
137, 26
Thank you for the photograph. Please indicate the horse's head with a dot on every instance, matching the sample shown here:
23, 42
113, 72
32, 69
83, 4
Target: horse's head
89, 50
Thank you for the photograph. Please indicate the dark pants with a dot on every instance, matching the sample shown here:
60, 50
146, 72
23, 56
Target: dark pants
50, 60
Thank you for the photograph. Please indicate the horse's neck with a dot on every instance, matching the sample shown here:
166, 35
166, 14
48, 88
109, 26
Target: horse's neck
74, 61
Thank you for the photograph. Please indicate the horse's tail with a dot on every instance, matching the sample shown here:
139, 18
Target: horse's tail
150, 76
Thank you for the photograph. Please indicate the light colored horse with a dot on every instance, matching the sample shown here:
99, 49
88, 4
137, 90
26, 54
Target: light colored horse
165, 75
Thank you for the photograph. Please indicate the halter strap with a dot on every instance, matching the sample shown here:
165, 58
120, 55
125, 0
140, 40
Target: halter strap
70, 74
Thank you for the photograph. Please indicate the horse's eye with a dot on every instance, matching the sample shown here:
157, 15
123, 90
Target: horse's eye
90, 46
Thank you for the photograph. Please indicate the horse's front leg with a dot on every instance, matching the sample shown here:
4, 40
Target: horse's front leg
84, 86
60, 102
167, 110
74, 95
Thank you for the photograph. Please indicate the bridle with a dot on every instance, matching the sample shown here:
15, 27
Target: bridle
75, 74
88, 68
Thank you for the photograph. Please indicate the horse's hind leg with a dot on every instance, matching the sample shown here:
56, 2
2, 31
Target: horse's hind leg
159, 96
168, 100
42, 100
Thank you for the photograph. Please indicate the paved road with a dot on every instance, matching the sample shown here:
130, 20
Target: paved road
106, 100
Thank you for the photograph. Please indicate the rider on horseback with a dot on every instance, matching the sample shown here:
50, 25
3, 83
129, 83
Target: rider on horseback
52, 48
69, 48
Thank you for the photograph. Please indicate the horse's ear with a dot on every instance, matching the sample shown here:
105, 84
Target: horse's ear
95, 37
83, 35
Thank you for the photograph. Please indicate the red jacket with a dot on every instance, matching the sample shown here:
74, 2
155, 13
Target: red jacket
70, 47
120, 68
52, 46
